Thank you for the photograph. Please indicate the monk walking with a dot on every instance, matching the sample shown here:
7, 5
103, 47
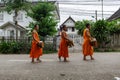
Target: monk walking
87, 48
36, 51
63, 49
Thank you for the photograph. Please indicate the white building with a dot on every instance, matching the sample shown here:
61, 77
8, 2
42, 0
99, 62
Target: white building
8, 28
72, 34
70, 24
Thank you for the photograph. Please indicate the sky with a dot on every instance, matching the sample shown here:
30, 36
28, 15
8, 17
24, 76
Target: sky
85, 9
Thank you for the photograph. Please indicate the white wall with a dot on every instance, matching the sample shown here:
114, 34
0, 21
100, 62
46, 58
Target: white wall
9, 17
1, 32
8, 29
69, 23
6, 18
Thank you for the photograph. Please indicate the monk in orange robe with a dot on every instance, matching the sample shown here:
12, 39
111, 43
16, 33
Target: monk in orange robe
87, 48
63, 48
36, 51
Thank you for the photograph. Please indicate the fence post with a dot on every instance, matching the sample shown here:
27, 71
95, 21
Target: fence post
3, 38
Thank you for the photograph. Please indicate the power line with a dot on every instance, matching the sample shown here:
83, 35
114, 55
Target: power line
91, 4
84, 10
82, 13
85, 0
77, 15
97, 2
92, 12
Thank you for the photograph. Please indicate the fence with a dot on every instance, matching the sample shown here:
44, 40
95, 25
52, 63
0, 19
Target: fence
114, 41
24, 45
77, 39
52, 43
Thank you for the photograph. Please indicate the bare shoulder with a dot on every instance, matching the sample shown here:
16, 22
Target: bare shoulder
87, 29
34, 31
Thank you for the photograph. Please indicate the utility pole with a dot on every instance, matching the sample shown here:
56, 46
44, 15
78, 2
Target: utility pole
102, 8
96, 15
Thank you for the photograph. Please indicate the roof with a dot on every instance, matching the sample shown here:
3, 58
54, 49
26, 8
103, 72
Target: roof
115, 16
11, 23
2, 5
67, 20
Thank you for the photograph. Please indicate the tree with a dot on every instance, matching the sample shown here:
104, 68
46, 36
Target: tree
101, 32
80, 26
42, 14
99, 29
114, 27
14, 6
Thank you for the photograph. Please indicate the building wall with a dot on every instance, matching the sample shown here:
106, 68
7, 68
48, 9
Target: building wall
70, 24
7, 32
23, 20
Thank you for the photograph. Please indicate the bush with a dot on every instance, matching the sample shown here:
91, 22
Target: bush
101, 32
80, 26
23, 47
5, 47
14, 47
49, 48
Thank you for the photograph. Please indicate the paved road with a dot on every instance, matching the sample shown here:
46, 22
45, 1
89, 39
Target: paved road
106, 66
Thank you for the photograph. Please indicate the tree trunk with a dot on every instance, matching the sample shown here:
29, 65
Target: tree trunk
16, 22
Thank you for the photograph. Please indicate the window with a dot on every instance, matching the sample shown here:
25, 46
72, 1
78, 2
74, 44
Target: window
1, 16
20, 17
12, 34
73, 29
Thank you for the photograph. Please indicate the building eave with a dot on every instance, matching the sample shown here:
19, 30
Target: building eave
67, 20
115, 16
11, 23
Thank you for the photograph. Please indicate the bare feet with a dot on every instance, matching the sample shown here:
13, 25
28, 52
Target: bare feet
59, 58
32, 60
66, 61
38, 60
92, 59
84, 59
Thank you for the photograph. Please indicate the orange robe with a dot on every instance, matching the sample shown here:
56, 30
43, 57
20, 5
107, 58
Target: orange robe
35, 50
87, 48
63, 49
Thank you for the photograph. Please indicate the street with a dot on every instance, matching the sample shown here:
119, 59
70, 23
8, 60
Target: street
106, 66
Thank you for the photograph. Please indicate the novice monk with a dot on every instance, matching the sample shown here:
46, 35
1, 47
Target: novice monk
36, 51
87, 48
63, 50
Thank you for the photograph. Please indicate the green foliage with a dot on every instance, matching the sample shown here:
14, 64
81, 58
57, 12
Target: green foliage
47, 27
14, 47
41, 10
23, 48
42, 13
4, 47
101, 32
114, 27
100, 29
80, 26
49, 48
11, 5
